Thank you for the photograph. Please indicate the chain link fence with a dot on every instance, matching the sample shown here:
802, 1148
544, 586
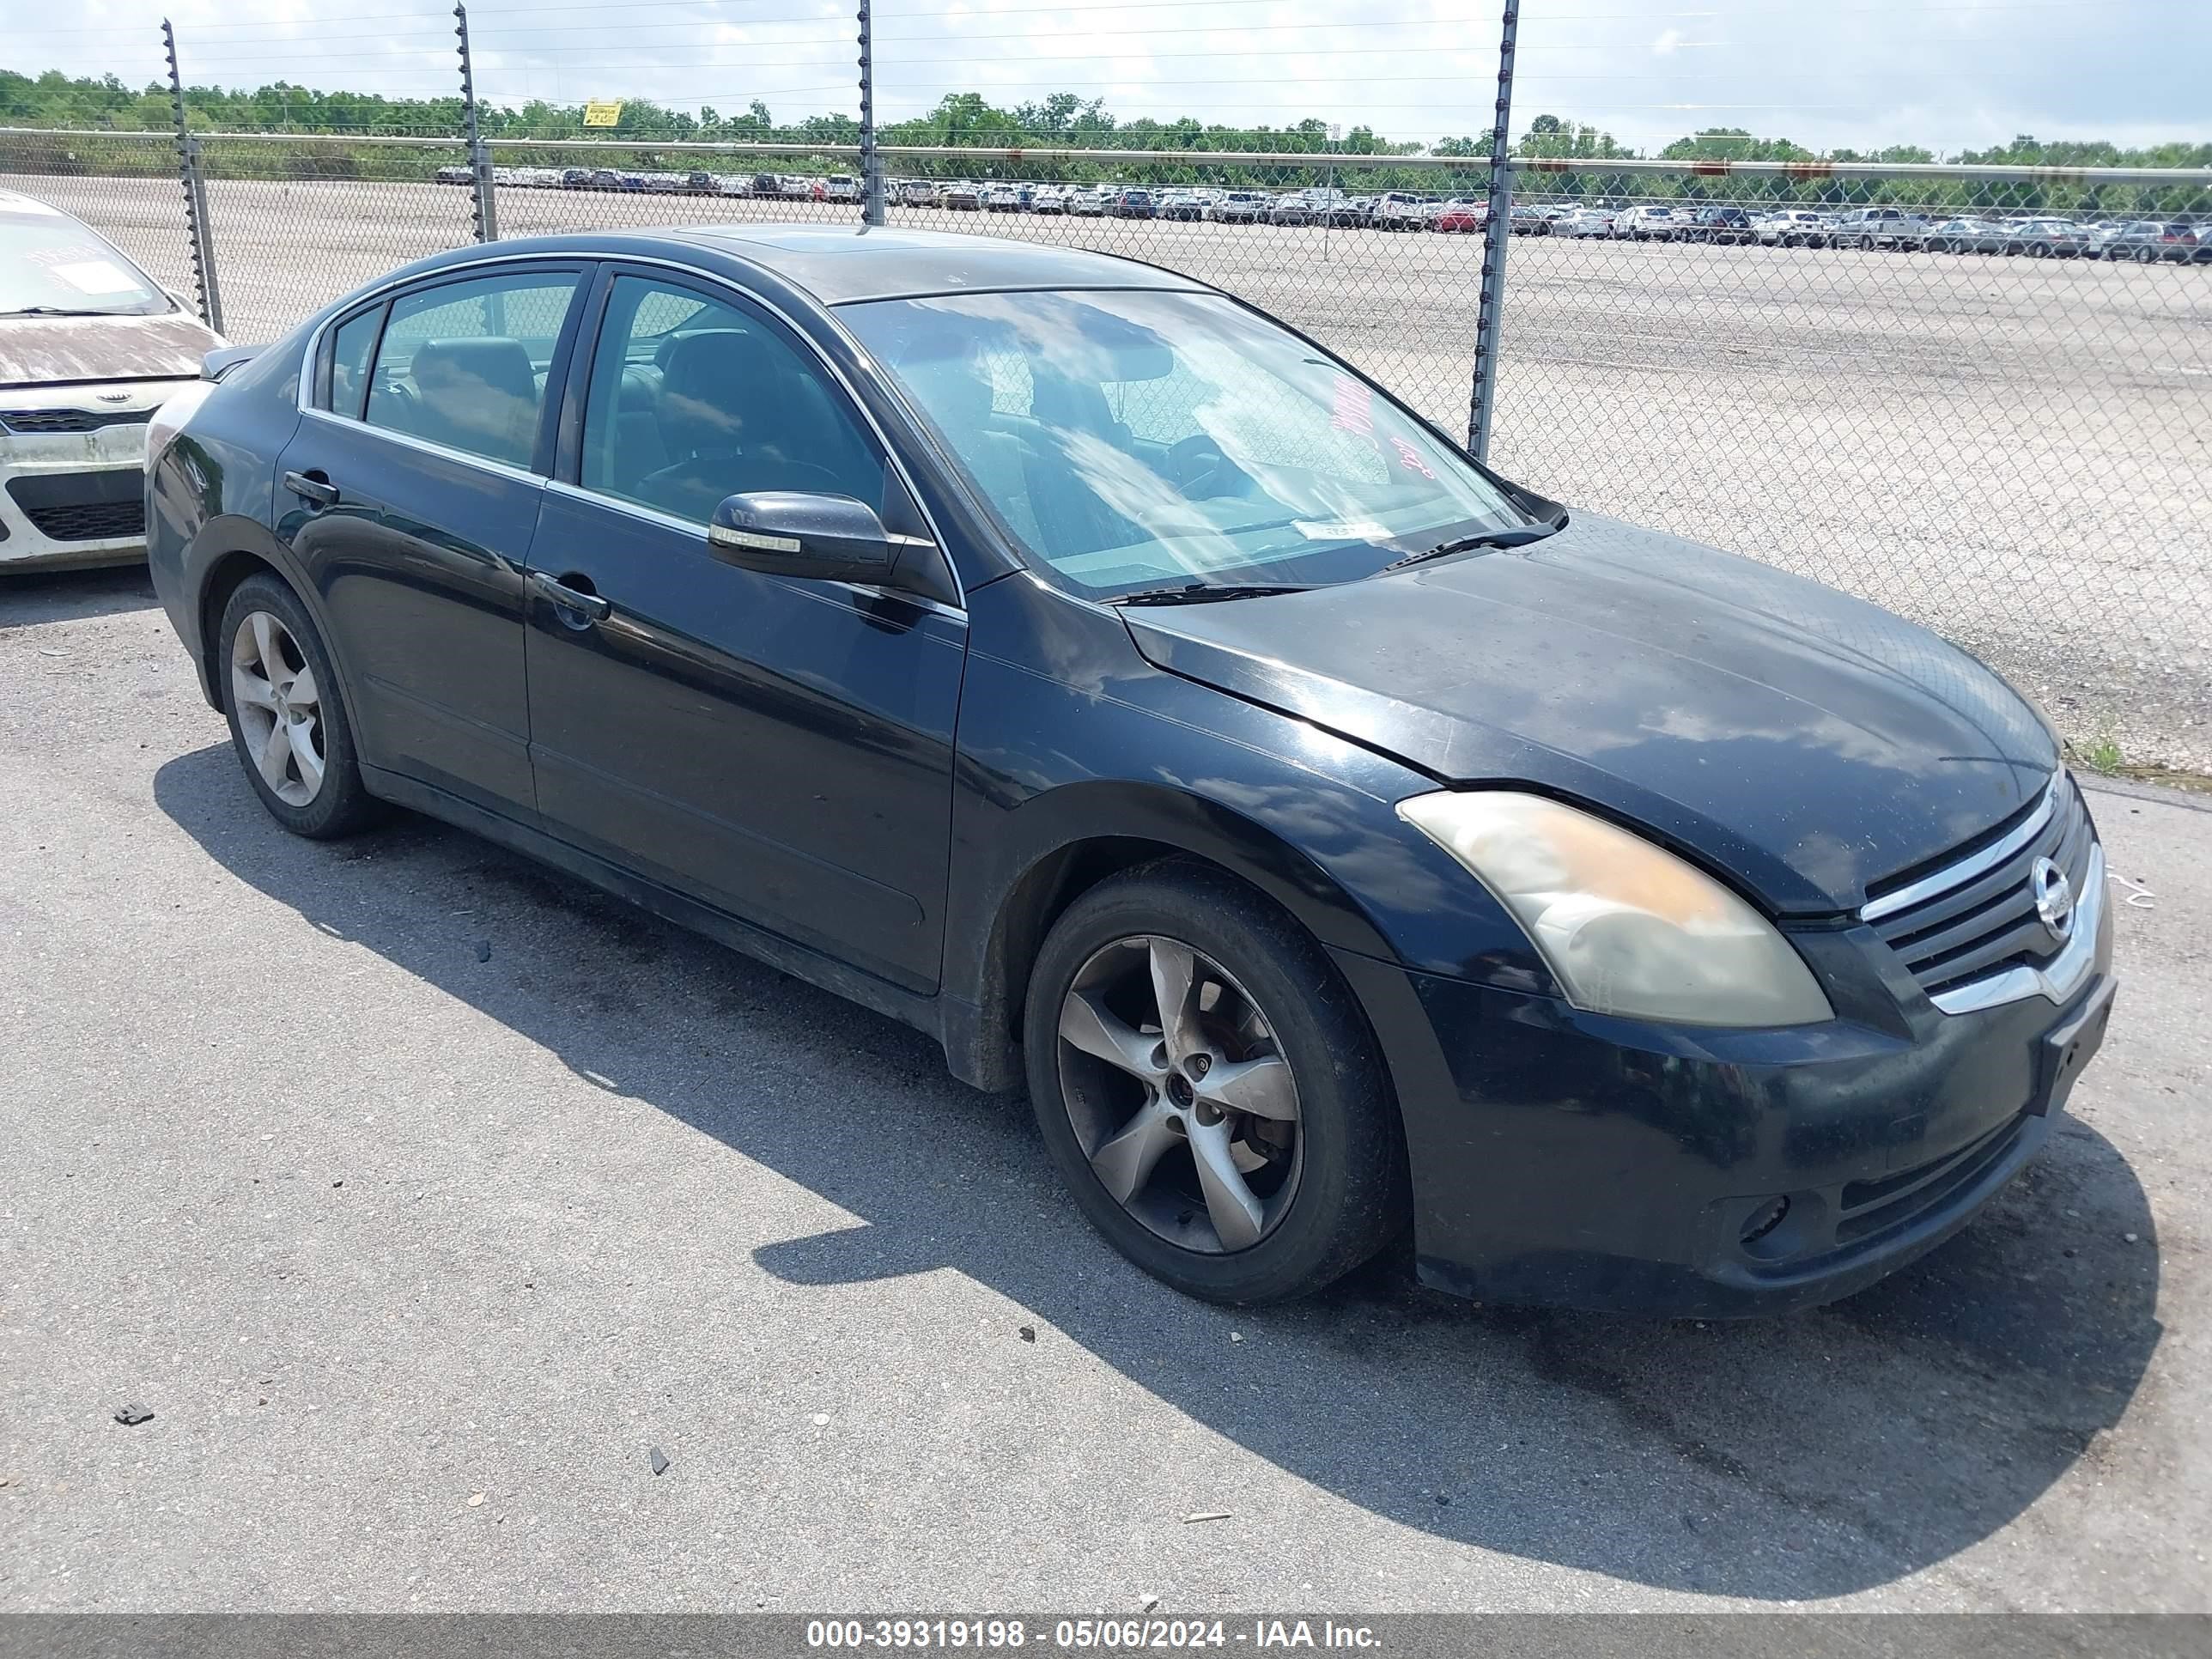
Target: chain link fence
1980, 397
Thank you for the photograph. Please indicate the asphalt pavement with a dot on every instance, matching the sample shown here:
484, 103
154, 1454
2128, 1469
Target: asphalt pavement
423, 1195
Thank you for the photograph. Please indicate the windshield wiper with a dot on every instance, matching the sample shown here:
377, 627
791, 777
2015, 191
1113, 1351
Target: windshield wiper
1519, 535
1207, 593
59, 311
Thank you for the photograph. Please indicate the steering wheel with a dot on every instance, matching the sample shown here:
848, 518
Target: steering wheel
1198, 467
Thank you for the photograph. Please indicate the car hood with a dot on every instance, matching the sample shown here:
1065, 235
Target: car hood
58, 350
1804, 741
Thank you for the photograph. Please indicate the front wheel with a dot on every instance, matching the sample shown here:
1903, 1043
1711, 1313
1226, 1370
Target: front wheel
287, 722
1209, 1088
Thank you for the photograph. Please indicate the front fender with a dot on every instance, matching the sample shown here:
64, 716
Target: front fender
1079, 755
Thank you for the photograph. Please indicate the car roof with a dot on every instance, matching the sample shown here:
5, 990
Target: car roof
838, 266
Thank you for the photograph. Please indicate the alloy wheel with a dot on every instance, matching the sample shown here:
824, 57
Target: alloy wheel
1179, 1094
279, 708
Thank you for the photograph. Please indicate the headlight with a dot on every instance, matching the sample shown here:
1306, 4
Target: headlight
169, 419
1624, 927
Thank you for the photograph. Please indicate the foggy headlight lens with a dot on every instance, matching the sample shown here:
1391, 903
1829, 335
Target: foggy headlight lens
1624, 927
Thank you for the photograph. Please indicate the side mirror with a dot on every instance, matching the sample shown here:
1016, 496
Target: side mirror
786, 533
831, 538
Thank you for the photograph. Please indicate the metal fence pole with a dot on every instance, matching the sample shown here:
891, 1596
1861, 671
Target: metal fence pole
1497, 232
487, 200
871, 161
189, 174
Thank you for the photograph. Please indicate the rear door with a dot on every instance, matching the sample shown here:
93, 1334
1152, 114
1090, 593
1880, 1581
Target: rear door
410, 492
778, 748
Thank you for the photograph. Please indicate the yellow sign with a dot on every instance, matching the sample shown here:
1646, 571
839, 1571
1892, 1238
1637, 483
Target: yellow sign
603, 115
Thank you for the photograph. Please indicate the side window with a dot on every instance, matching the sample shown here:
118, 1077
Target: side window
692, 399
465, 364
351, 345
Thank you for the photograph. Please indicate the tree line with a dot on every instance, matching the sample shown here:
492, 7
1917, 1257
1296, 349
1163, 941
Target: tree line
1063, 120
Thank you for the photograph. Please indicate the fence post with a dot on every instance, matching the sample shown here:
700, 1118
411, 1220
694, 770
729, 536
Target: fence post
189, 174
871, 161
1496, 234
487, 200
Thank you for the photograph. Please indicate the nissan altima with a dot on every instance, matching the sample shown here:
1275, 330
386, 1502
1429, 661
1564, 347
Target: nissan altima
1343, 844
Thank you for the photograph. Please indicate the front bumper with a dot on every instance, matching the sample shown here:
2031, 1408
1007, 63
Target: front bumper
1582, 1161
75, 498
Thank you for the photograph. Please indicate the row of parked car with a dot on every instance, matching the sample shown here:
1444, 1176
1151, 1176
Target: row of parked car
2035, 236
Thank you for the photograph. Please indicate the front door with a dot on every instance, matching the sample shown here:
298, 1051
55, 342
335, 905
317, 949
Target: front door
409, 495
780, 749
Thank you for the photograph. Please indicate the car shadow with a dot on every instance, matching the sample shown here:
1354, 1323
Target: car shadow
1805, 1456
50, 596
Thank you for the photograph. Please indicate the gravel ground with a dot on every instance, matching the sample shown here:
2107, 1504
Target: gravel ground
418, 1193
2016, 451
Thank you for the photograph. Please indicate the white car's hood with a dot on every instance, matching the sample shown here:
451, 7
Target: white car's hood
61, 350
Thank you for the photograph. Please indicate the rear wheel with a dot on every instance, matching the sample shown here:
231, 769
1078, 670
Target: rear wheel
1209, 1088
287, 722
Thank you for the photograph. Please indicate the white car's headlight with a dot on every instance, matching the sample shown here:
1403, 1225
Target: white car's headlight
1625, 927
169, 419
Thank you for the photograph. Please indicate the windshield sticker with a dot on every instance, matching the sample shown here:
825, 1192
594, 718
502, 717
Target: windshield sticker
1350, 529
97, 277
1355, 407
1410, 458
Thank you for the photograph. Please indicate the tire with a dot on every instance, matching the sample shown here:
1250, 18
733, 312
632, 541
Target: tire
322, 808
1332, 1200
1866, 244
2038, 250
2146, 256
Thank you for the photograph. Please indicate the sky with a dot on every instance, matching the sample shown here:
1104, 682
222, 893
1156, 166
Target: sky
1949, 74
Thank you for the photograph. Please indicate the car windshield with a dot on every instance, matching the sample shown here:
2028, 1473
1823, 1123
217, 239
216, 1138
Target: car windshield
49, 265
1138, 441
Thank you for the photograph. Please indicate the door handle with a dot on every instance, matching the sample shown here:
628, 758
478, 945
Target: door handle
589, 606
314, 486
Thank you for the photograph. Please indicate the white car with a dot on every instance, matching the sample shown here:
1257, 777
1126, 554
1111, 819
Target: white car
1002, 198
1645, 224
1087, 204
90, 346
1794, 228
1584, 222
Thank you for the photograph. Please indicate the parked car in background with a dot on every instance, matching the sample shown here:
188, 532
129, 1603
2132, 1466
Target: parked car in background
963, 195
1132, 203
1185, 206
2046, 238
1401, 210
90, 348
1089, 202
1965, 235
1794, 227
455, 175
1725, 226
2150, 240
1238, 207
1646, 223
1463, 214
1049, 199
1584, 222
1531, 220
1353, 213
1237, 803
920, 193
1871, 228
1001, 198
1293, 209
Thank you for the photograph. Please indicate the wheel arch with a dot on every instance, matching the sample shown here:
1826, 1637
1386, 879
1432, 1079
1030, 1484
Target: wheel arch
235, 551
1059, 846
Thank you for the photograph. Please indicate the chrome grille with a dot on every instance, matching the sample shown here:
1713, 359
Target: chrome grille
38, 423
1976, 916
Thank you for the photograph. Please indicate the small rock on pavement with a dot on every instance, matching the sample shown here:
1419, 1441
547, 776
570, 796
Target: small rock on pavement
476, 1500
1206, 1514
1146, 1603
821, 1420
1029, 1332
484, 950
131, 1416
656, 1459
1235, 1336
2129, 1239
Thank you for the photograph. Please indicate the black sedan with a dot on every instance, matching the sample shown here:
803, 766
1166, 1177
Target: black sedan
1341, 843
